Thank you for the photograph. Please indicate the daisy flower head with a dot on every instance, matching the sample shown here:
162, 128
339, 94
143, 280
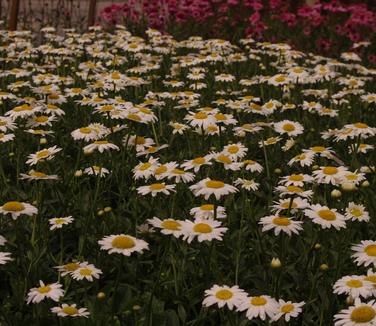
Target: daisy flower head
288, 310
364, 253
224, 296
86, 271
101, 146
59, 222
329, 174
16, 208
167, 226
97, 171
197, 163
290, 128
360, 314
292, 204
235, 151
259, 306
50, 291
294, 191
123, 244
156, 188
203, 229
252, 166
247, 184
304, 159
68, 268
37, 175
5, 257
207, 211
208, 187
44, 154
145, 169
326, 217
356, 212
66, 310
296, 180
354, 285
180, 176
279, 224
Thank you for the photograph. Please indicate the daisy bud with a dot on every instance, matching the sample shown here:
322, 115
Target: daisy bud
35, 203
11, 154
335, 193
365, 184
136, 307
107, 209
317, 246
101, 295
43, 141
324, 267
315, 167
78, 173
350, 300
275, 263
348, 186
277, 171
100, 212
365, 169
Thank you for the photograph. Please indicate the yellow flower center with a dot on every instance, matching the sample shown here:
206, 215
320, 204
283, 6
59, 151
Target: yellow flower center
85, 130
171, 225
354, 283
70, 310
59, 220
351, 177
140, 140
2, 123
270, 105
356, 212
214, 184
44, 289
53, 96
281, 221
43, 153
85, 271
360, 125
157, 186
123, 242
41, 119
160, 170
71, 267
330, 170
296, 177
200, 116
362, 314
224, 295
294, 189
202, 228
220, 116
280, 79
288, 127
370, 250
258, 301
13, 206
133, 116
145, 166
372, 279
318, 149
25, 107
326, 214
207, 207
224, 159
287, 308
286, 204
249, 162
233, 149
198, 160
177, 171
101, 142
107, 108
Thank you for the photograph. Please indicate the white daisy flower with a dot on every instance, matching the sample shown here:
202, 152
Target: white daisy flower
208, 187
156, 188
288, 310
356, 212
59, 222
5, 257
203, 229
280, 223
16, 208
354, 285
206, 211
51, 291
101, 146
259, 306
224, 296
360, 314
123, 244
364, 253
44, 154
86, 271
66, 310
326, 217
167, 226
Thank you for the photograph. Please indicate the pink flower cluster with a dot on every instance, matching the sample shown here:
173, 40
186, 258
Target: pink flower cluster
327, 23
